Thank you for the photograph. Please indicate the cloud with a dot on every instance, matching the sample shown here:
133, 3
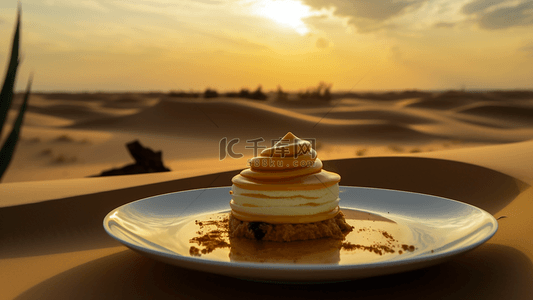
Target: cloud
209, 1
378, 10
234, 42
444, 25
506, 17
168, 7
527, 49
480, 5
322, 43
324, 22
417, 15
89, 4
367, 15
94, 5
500, 14
395, 54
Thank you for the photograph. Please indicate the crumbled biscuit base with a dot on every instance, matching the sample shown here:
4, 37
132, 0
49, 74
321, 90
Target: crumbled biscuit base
335, 228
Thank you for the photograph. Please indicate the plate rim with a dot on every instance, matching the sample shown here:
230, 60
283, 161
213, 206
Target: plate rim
305, 267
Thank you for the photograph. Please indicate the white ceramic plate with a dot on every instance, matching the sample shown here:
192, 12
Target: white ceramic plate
160, 227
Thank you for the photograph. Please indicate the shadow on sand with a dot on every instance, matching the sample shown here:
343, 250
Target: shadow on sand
489, 272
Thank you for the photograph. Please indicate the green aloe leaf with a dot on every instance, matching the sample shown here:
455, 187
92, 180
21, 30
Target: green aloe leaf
6, 95
9, 145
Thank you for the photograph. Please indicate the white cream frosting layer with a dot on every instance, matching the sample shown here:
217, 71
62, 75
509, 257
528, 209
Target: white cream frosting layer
285, 203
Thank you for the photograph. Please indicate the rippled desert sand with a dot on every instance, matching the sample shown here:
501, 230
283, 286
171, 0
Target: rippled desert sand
79, 135
474, 148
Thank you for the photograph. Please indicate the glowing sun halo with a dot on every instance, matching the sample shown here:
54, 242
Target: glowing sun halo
285, 12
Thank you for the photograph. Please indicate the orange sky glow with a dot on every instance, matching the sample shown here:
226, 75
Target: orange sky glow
163, 45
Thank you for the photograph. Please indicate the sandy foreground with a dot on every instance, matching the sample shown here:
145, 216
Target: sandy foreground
471, 148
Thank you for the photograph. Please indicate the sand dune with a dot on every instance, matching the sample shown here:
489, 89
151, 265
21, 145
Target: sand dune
49, 229
513, 115
86, 97
66, 134
73, 112
130, 101
140, 278
442, 102
65, 253
239, 118
396, 117
53, 245
226, 117
517, 162
33, 119
453, 99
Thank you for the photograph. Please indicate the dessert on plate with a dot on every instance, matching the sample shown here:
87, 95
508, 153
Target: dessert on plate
286, 196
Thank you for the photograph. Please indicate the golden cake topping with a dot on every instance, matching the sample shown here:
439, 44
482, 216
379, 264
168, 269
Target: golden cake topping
289, 163
286, 184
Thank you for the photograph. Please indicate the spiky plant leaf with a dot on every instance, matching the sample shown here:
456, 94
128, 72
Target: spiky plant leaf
6, 95
9, 145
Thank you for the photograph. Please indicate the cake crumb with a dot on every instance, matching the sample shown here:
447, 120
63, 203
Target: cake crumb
212, 239
193, 251
379, 248
376, 248
409, 248
215, 234
336, 228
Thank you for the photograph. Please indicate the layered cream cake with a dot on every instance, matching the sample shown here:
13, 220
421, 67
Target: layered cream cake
285, 195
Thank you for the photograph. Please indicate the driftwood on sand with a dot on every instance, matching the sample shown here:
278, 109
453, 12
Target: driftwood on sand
146, 161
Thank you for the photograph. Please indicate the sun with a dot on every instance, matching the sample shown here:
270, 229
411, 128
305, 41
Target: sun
289, 13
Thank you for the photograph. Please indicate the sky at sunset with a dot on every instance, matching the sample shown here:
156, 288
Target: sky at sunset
162, 45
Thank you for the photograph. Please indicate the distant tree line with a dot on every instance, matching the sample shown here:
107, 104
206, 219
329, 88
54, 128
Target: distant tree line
181, 94
389, 95
321, 92
212, 93
245, 93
